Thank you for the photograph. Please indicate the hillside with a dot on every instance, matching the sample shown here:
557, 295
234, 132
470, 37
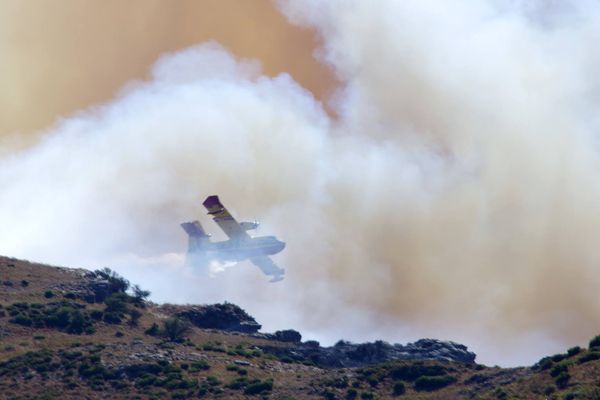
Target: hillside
75, 334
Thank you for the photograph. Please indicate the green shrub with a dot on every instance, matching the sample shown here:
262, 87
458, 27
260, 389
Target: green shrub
153, 330
134, 317
367, 396
77, 322
351, 394
430, 383
213, 380
558, 369
562, 380
558, 357
142, 370
48, 294
414, 371
573, 351
595, 342
112, 318
22, 319
117, 283
259, 387
139, 295
175, 329
199, 366
589, 356
549, 390
96, 315
339, 383
500, 394
398, 389
238, 383
116, 302
328, 395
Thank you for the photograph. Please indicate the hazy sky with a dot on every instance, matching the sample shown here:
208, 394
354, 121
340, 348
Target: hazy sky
61, 56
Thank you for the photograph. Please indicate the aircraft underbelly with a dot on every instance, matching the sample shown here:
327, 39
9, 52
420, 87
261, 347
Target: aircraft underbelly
225, 251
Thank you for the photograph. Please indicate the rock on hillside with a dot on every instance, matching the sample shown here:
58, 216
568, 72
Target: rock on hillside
225, 317
346, 354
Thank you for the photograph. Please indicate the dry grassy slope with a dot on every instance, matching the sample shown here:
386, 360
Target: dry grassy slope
120, 361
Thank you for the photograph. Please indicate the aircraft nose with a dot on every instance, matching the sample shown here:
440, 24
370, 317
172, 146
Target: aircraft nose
281, 245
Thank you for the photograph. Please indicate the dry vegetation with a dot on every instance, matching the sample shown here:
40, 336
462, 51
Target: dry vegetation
58, 343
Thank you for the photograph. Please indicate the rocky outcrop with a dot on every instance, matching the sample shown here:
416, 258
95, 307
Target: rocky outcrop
288, 335
225, 317
346, 354
90, 290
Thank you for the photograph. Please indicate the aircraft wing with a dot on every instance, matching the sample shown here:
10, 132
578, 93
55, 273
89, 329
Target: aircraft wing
268, 267
224, 219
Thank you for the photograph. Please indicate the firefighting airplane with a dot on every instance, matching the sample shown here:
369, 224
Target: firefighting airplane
239, 247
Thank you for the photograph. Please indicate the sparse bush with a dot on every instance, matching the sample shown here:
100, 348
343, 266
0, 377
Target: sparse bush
199, 366
558, 357
117, 283
351, 394
175, 329
414, 371
48, 294
24, 283
430, 383
22, 319
139, 295
112, 318
153, 330
96, 315
398, 389
373, 381
77, 322
500, 394
259, 387
545, 363
558, 369
328, 395
573, 351
562, 380
116, 303
213, 380
216, 346
549, 390
595, 342
134, 317
367, 396
589, 356
476, 379
238, 383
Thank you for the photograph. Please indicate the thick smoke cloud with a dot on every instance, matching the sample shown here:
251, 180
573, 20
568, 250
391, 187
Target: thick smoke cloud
455, 196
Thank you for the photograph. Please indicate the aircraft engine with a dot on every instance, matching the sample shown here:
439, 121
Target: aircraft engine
248, 226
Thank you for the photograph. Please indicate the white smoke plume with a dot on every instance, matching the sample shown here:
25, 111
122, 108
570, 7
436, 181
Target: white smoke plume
455, 195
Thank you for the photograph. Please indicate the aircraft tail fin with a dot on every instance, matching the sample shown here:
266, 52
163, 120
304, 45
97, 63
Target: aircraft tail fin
197, 235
